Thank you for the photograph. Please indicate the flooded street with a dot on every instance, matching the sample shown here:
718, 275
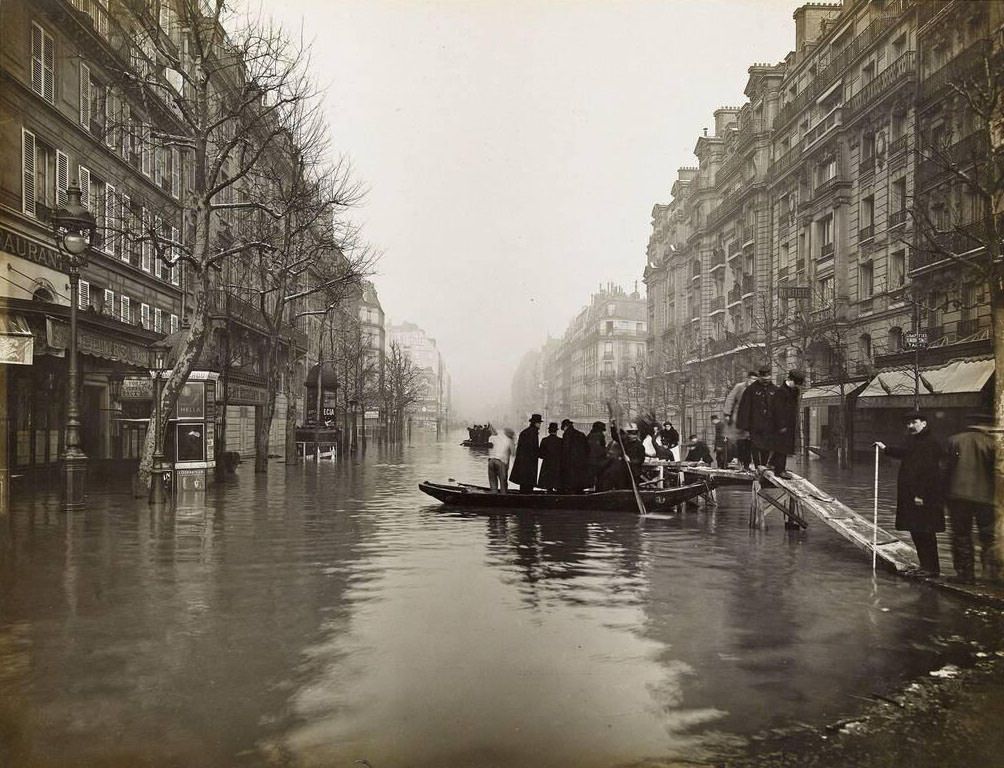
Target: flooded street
322, 615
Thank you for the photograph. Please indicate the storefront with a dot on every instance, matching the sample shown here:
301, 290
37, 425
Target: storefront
821, 414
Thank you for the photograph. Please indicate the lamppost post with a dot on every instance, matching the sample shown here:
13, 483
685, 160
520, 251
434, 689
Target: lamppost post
73, 229
157, 495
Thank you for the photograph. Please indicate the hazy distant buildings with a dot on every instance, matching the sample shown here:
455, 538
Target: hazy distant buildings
600, 358
433, 409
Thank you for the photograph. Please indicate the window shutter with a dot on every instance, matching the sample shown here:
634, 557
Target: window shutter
108, 307
85, 187
85, 95
175, 254
126, 120
111, 244
175, 172
62, 177
125, 217
111, 100
36, 59
158, 228
83, 294
147, 246
126, 312
144, 315
147, 151
174, 324
158, 320
28, 172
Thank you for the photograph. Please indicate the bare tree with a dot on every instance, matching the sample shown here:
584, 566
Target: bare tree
222, 91
404, 385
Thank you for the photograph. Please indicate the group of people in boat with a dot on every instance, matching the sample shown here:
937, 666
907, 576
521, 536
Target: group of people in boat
574, 461
480, 433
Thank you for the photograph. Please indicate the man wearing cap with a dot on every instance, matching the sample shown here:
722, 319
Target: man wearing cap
920, 490
970, 497
784, 416
524, 466
756, 417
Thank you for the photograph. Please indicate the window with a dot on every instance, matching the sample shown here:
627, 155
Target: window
897, 269
146, 247
867, 73
144, 315
825, 289
826, 170
894, 340
44, 173
866, 280
93, 103
108, 303
899, 195
175, 172
867, 216
608, 350
83, 294
125, 310
865, 347
42, 62
175, 255
824, 233
173, 325
868, 146
158, 320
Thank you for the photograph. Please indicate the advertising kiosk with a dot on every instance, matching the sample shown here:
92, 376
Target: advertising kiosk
191, 433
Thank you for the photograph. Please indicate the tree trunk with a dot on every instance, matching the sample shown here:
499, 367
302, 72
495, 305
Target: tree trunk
176, 380
263, 428
291, 413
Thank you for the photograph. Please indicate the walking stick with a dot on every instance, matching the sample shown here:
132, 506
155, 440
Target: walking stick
875, 514
634, 487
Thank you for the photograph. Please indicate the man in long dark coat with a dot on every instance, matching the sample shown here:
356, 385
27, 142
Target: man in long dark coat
550, 459
597, 442
524, 465
920, 490
755, 416
574, 459
784, 415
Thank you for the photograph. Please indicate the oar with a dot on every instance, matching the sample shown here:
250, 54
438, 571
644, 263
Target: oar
617, 433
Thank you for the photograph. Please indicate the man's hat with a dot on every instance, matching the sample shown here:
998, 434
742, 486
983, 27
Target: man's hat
599, 425
797, 376
536, 417
568, 422
763, 372
916, 415
552, 427
751, 373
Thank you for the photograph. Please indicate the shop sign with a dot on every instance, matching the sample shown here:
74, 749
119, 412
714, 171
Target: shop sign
91, 343
137, 388
191, 401
19, 245
16, 349
915, 339
794, 292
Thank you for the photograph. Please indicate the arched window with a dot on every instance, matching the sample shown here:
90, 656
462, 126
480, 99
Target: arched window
865, 347
894, 339
42, 294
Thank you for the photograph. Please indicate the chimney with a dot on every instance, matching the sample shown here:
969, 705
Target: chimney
809, 22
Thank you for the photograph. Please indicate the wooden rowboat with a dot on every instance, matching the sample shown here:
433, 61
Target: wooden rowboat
463, 495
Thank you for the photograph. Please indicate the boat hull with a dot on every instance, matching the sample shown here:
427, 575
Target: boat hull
599, 501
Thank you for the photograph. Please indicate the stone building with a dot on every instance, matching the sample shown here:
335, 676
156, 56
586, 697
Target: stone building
601, 358
432, 411
793, 242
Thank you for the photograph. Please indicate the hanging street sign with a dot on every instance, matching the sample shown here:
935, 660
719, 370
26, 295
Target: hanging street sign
794, 292
915, 339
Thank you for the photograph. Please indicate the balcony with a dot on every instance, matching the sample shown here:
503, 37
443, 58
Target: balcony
934, 84
717, 259
897, 218
786, 161
901, 70
938, 162
866, 166
717, 304
898, 145
934, 333
735, 294
826, 250
735, 248
967, 327
826, 186
821, 129
866, 233
748, 285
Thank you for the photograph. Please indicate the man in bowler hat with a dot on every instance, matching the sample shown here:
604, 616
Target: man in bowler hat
524, 466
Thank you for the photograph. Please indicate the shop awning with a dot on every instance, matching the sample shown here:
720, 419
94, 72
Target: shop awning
829, 394
957, 384
17, 344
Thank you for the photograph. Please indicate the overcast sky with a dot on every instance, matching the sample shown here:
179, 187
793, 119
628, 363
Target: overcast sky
513, 149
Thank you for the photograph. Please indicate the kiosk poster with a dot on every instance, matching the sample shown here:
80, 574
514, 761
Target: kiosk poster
191, 401
191, 442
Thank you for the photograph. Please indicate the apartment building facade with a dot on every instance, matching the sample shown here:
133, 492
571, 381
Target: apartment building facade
800, 213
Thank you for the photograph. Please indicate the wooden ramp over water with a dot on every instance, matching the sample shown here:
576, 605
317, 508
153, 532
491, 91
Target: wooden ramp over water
795, 496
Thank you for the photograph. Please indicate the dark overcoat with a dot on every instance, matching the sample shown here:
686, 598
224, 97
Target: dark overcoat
524, 465
784, 417
574, 460
920, 476
597, 442
550, 465
754, 414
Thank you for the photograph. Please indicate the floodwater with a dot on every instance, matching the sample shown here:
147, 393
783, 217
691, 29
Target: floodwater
324, 615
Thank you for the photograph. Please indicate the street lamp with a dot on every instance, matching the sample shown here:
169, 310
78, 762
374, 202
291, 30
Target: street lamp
73, 229
159, 350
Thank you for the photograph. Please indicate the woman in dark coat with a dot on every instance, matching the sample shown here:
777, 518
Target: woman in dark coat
524, 465
574, 459
550, 454
920, 490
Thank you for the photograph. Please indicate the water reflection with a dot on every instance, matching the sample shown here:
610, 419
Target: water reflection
326, 614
